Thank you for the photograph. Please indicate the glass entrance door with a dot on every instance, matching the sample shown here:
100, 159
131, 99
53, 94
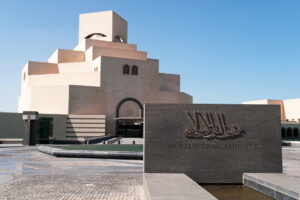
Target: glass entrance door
45, 130
129, 129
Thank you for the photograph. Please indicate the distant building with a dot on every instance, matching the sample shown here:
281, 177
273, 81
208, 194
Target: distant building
103, 79
290, 116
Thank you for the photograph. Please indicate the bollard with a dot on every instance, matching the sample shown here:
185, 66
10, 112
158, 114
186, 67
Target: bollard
133, 142
119, 142
104, 142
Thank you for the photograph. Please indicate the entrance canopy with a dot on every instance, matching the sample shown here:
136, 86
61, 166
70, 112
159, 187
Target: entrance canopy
129, 119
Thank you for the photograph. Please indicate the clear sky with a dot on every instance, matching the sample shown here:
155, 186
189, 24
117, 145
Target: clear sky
226, 51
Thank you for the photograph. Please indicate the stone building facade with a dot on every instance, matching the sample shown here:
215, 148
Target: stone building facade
290, 116
290, 108
100, 85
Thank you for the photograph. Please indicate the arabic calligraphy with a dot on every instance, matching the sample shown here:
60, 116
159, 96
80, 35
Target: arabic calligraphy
208, 125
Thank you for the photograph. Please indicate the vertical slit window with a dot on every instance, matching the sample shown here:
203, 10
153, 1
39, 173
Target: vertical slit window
125, 69
134, 70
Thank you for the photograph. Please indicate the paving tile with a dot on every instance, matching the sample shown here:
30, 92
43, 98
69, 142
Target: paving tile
40, 176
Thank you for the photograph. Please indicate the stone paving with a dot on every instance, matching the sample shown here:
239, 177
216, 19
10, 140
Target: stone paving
112, 186
291, 160
28, 174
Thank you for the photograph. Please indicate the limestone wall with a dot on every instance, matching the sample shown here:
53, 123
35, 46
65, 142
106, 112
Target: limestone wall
82, 78
108, 23
66, 56
38, 68
116, 86
169, 82
292, 109
87, 43
94, 52
45, 99
75, 67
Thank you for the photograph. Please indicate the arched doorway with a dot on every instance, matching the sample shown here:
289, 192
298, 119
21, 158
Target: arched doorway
295, 133
289, 132
129, 118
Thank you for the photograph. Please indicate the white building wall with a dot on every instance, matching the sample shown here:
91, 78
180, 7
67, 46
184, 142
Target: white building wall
292, 109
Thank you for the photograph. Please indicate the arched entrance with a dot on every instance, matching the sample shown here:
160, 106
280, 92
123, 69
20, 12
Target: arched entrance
129, 118
295, 133
283, 133
289, 132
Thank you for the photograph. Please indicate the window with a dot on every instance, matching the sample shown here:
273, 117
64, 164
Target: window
125, 69
96, 69
283, 132
95, 36
119, 39
24, 76
295, 132
289, 132
134, 70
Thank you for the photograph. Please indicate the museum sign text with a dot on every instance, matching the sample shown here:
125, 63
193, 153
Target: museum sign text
210, 125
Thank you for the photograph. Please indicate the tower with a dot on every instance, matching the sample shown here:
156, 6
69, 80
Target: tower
106, 26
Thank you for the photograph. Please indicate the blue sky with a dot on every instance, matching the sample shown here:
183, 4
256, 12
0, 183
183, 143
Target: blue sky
226, 51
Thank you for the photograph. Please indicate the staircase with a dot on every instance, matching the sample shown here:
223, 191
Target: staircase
85, 126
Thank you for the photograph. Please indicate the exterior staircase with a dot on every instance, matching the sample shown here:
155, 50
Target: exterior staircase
85, 126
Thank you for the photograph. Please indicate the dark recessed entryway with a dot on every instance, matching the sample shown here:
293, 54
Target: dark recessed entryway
45, 130
129, 118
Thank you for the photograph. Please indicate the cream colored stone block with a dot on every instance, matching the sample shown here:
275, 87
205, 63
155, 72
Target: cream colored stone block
87, 100
67, 56
94, 52
108, 23
77, 67
47, 99
119, 27
87, 43
37, 68
292, 109
83, 78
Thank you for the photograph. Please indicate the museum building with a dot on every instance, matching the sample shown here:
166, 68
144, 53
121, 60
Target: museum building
290, 116
101, 85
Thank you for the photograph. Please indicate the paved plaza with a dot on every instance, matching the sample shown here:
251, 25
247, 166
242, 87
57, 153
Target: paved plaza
291, 160
26, 173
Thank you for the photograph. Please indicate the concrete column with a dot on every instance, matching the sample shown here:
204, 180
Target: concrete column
31, 125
